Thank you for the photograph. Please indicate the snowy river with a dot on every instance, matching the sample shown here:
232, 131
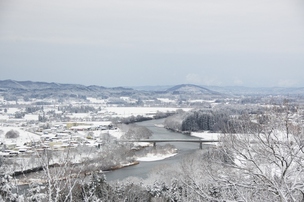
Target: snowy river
143, 169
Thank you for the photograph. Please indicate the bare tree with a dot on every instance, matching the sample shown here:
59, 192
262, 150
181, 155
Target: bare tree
134, 131
267, 159
261, 161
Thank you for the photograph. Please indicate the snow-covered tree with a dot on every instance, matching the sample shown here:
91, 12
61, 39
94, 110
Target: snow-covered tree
6, 189
262, 160
268, 159
134, 131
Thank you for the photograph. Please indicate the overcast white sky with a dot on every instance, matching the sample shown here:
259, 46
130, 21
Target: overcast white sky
153, 42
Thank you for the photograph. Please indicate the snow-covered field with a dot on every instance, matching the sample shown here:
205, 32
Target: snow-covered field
24, 136
143, 111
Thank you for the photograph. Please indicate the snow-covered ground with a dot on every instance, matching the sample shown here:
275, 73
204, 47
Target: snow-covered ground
24, 136
143, 111
4, 117
95, 100
31, 117
155, 157
207, 136
166, 100
210, 101
116, 133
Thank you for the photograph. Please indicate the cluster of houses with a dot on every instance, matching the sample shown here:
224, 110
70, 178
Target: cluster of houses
48, 123
58, 137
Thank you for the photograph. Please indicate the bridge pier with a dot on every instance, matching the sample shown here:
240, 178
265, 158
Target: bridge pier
201, 145
154, 145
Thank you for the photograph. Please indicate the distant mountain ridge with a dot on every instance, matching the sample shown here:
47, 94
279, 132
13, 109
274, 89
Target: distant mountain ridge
183, 91
191, 89
31, 85
58, 90
242, 90
45, 89
236, 90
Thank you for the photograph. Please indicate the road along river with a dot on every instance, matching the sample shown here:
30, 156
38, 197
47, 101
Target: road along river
143, 169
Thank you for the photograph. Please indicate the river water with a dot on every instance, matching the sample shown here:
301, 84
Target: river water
143, 169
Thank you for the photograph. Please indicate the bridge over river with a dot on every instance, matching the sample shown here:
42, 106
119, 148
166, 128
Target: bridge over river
186, 145
154, 141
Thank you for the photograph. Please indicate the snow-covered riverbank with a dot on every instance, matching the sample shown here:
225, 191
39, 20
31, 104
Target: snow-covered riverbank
207, 136
155, 157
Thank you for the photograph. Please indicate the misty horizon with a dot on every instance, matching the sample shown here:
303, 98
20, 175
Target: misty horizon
135, 43
144, 87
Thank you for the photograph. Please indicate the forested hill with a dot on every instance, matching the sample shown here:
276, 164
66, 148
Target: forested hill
191, 90
227, 90
45, 90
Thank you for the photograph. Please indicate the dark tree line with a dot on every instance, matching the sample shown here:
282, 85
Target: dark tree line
214, 121
133, 119
199, 120
33, 109
217, 120
77, 109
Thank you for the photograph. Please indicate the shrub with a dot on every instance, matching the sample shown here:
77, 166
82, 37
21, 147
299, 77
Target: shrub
12, 134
